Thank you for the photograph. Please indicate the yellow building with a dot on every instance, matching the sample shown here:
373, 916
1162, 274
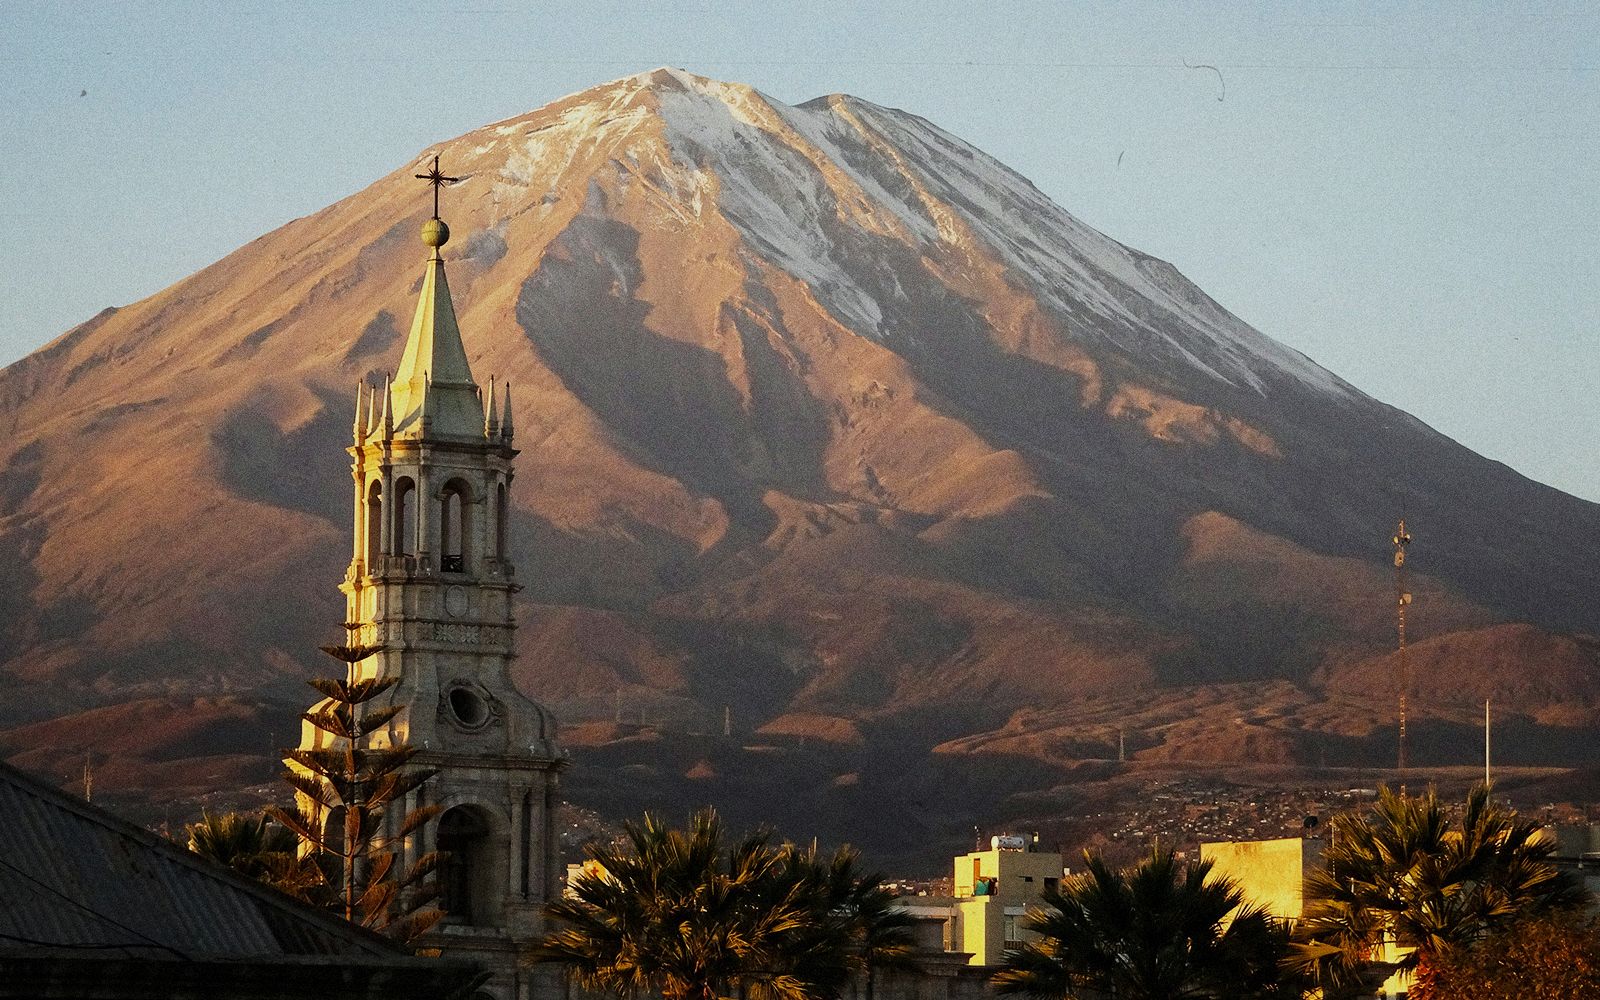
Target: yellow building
1272, 875
993, 890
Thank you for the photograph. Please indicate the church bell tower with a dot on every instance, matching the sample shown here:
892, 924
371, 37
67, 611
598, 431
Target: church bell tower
430, 585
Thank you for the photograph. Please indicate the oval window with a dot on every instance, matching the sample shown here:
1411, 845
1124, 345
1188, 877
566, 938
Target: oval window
468, 707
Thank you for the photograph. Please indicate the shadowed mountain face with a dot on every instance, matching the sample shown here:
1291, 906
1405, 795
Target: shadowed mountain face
833, 427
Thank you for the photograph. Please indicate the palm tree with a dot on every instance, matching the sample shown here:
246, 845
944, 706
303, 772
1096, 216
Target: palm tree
881, 931
250, 844
670, 916
1409, 876
1157, 931
853, 915
676, 912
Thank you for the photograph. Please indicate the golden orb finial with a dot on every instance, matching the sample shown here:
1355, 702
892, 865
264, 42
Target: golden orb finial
435, 233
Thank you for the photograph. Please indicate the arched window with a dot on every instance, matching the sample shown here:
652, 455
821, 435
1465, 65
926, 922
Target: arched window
527, 842
405, 517
500, 523
453, 527
467, 873
374, 524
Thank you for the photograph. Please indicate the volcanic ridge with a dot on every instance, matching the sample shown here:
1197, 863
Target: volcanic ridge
858, 478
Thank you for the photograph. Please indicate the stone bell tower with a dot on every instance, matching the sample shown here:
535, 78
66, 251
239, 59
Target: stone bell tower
430, 584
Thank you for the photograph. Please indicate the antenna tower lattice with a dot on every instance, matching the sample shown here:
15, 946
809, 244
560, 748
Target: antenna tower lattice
1402, 600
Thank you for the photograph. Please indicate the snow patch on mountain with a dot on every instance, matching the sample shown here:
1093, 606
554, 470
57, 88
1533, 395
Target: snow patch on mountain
1045, 242
767, 189
785, 176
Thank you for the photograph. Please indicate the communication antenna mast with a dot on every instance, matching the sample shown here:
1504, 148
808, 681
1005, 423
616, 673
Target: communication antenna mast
1402, 599
1486, 778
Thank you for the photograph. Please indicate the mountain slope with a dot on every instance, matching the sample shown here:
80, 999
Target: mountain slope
829, 420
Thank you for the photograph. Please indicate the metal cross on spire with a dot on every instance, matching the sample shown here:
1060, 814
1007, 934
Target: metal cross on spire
438, 180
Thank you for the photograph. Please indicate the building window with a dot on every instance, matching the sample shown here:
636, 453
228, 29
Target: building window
527, 843
466, 871
500, 523
405, 517
453, 527
333, 830
1011, 935
468, 708
374, 524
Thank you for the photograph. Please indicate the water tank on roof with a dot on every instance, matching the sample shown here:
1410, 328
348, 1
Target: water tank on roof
1009, 842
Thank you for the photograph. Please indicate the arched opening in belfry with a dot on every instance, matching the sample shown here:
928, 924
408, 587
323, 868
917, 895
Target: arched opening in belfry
526, 841
470, 883
405, 517
374, 525
453, 527
500, 523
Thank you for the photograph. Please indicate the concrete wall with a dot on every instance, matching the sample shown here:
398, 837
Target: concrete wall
943, 976
1271, 873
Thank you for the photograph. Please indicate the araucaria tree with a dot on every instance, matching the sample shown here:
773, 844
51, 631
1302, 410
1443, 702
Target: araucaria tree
677, 912
345, 789
1405, 885
1157, 931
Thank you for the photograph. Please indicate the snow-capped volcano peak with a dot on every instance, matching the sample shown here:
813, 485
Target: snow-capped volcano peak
815, 189
824, 415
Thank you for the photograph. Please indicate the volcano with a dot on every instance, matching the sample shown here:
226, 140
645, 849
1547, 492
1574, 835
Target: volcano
858, 477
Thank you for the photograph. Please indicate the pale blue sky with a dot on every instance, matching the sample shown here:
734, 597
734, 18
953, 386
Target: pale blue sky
1411, 198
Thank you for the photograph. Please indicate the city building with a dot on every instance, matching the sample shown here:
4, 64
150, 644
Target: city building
941, 973
993, 890
1272, 875
93, 906
430, 587
1578, 853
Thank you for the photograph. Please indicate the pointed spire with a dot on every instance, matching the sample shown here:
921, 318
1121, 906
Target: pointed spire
388, 418
434, 364
505, 421
360, 425
372, 411
491, 419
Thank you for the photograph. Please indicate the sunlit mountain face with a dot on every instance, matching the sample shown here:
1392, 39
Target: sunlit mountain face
838, 437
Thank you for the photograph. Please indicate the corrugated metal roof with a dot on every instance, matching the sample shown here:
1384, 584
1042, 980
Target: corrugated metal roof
75, 878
